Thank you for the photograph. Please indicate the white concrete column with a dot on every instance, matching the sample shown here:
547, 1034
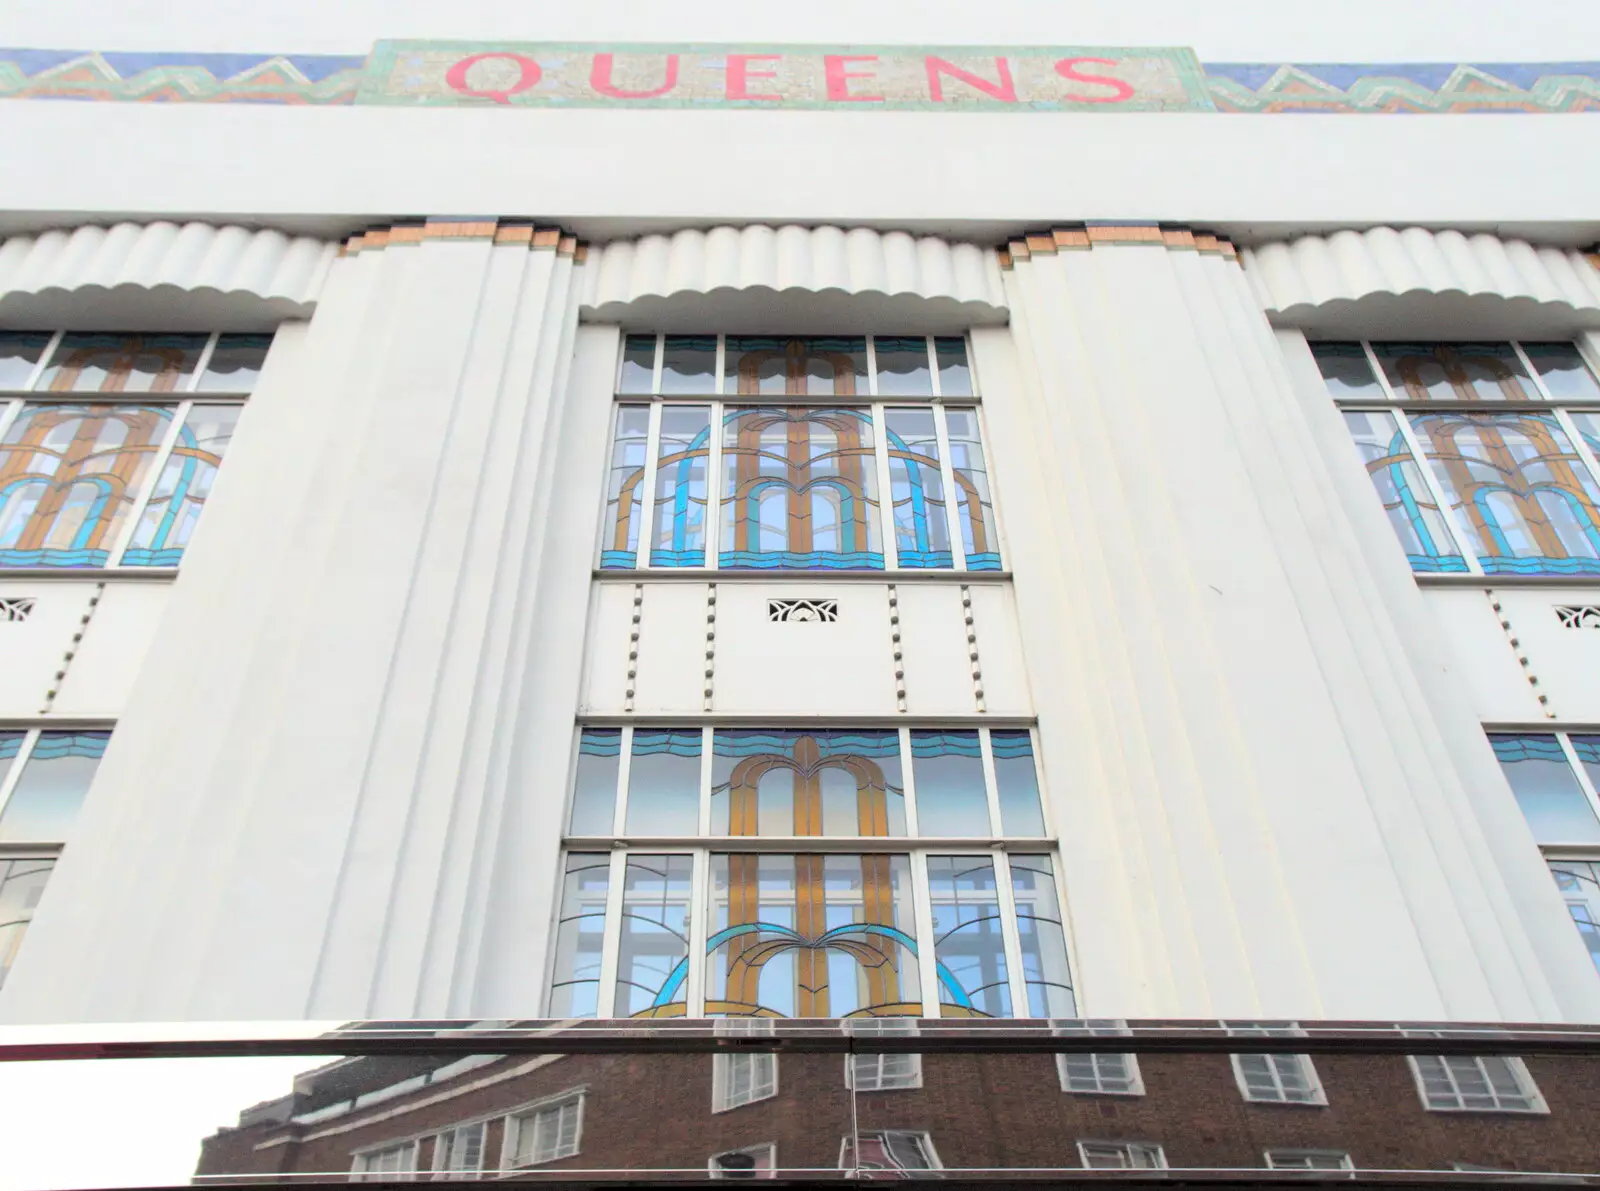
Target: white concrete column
308, 792
1266, 811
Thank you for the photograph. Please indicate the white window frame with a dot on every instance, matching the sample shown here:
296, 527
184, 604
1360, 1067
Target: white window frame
1317, 1098
1283, 1158
921, 1138
1401, 407
768, 1148
511, 1131
181, 401
1514, 1065
360, 1173
719, 400
877, 1063
723, 1065
1102, 1027
1127, 1150
444, 1142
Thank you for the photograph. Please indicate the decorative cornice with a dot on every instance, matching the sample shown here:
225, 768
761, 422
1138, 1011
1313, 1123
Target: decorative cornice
756, 274
99, 273
1084, 237
1304, 279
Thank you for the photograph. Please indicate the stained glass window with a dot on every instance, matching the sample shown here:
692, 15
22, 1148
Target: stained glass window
817, 367
680, 506
1521, 492
1042, 932
54, 780
1017, 781
1579, 883
1347, 372
799, 489
623, 486
1412, 511
904, 369
664, 782
1454, 371
921, 525
20, 353
653, 952
1551, 798
22, 882
95, 362
638, 365
807, 783
69, 477
235, 364
973, 503
174, 506
812, 936
952, 796
580, 935
689, 365
968, 936
594, 787
1562, 369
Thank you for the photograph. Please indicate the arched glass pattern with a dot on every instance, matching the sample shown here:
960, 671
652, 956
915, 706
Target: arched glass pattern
680, 506
113, 363
921, 524
174, 507
799, 490
1519, 488
1454, 371
973, 503
624, 483
69, 476
812, 936
794, 367
1412, 511
777, 783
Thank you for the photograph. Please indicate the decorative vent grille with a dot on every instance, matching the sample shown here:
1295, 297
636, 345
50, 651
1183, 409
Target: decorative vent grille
1578, 616
16, 608
826, 611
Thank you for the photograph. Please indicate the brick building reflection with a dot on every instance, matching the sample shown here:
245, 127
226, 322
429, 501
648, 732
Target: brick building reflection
752, 1113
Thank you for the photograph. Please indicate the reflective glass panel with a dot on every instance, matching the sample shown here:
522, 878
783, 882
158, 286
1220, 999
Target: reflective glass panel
235, 365
799, 490
122, 363
812, 936
20, 352
689, 365
1413, 513
173, 510
10, 746
1017, 781
1520, 490
22, 882
903, 369
69, 476
974, 505
968, 941
54, 780
680, 508
1347, 371
779, 366
638, 364
580, 936
1579, 883
1455, 372
653, 952
664, 782
955, 376
1547, 790
1563, 371
594, 789
807, 783
921, 526
624, 487
1044, 937
952, 798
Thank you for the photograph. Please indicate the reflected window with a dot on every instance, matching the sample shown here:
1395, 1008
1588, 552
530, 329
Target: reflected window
460, 1151
968, 937
882, 1072
683, 453
752, 1162
743, 1077
580, 935
1274, 1078
385, 1163
888, 1150
1121, 1155
653, 951
1097, 1073
1475, 1083
1579, 883
916, 480
1308, 1160
545, 1132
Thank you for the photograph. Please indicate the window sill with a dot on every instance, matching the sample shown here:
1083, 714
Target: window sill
91, 574
1507, 581
702, 575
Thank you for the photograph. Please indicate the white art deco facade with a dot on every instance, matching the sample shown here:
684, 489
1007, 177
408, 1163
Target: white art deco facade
1002, 533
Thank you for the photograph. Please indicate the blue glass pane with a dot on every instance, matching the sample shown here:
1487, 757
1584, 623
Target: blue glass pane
54, 781
807, 783
664, 782
952, 798
968, 941
1017, 782
1043, 937
594, 791
921, 522
680, 508
1546, 789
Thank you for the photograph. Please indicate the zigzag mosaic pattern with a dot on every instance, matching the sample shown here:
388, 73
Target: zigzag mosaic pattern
161, 77
1415, 87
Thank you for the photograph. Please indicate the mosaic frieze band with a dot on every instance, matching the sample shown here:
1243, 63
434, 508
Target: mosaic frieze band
853, 78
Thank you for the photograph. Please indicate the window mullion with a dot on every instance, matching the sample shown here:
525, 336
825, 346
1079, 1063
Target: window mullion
699, 932
657, 366
1564, 418
1006, 895
922, 907
872, 366
991, 783
880, 459
10, 411
1580, 772
147, 489
909, 784
203, 362
714, 479
647, 499
947, 477
619, 805
933, 369
611, 945
1464, 541
14, 775
50, 350
1533, 373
